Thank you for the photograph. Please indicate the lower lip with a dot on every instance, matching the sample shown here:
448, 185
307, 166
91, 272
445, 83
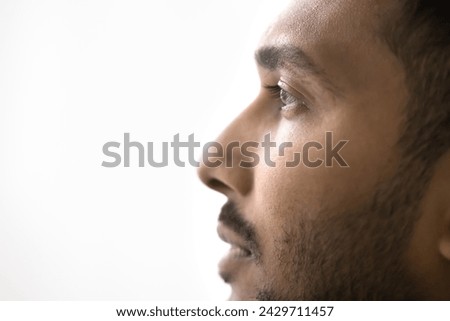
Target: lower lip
237, 259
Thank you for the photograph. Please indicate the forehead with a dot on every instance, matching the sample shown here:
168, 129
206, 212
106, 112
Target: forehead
345, 19
342, 36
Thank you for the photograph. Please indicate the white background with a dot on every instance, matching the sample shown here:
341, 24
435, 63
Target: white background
77, 74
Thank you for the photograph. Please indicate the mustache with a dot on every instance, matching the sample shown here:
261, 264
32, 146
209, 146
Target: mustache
234, 220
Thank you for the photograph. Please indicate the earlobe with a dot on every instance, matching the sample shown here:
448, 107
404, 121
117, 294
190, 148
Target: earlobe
429, 251
444, 246
444, 200
444, 242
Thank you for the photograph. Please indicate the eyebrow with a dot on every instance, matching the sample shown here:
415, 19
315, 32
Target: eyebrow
278, 57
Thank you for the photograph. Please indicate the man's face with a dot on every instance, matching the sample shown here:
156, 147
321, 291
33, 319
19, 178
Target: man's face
319, 232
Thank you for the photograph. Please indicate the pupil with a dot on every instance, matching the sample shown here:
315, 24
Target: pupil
285, 97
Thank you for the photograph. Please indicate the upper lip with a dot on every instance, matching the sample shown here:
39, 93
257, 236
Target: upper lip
235, 240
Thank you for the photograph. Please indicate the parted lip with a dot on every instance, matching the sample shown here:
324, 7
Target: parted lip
238, 244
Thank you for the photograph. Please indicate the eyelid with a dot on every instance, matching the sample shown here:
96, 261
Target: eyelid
292, 91
283, 85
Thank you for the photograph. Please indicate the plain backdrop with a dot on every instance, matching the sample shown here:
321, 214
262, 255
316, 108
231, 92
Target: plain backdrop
77, 74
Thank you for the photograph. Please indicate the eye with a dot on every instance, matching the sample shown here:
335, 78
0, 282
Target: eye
290, 98
287, 98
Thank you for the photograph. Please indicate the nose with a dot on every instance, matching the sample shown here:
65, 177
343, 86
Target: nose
230, 177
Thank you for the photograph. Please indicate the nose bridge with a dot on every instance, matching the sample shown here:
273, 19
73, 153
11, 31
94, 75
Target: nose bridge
231, 176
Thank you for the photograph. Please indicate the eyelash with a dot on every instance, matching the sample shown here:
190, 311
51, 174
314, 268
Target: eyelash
283, 95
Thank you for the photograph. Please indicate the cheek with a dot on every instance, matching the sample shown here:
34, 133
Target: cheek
307, 190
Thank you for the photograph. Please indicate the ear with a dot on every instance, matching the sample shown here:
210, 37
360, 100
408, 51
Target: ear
429, 250
441, 180
444, 243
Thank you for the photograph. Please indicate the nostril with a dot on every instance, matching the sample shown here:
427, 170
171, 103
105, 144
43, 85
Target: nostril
227, 180
216, 184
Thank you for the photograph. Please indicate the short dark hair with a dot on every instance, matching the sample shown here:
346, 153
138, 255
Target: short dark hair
419, 36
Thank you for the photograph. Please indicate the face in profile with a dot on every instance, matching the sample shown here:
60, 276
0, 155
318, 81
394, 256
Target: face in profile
374, 222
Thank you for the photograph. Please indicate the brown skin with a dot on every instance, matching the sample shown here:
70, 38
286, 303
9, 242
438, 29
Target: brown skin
334, 232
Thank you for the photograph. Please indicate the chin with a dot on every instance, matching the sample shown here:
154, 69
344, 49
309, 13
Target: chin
242, 295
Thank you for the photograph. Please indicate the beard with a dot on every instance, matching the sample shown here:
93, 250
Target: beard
357, 254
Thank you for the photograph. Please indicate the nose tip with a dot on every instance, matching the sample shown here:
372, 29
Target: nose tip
226, 180
205, 176
225, 171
